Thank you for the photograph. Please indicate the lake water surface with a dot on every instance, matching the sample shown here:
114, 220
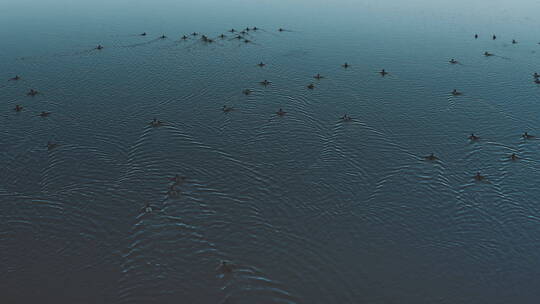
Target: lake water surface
305, 207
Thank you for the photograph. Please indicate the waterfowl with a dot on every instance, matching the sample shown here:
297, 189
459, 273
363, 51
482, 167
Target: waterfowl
194, 34
453, 61
261, 64
17, 78
265, 82
318, 76
210, 40
247, 41
311, 86
246, 91
143, 34
44, 114
225, 268
537, 81
514, 41
51, 145
232, 30
247, 29
172, 192
475, 36
345, 65
487, 54
204, 38
222, 36
527, 136
473, 137
346, 117
162, 37
238, 37
280, 112
494, 37
456, 92
32, 92
536, 75
243, 32
514, 156
227, 109
156, 123
148, 208
479, 177
18, 108
99, 47
255, 28
431, 157
383, 72
177, 178
184, 37
280, 30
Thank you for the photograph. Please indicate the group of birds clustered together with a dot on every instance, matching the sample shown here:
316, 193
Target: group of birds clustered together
177, 180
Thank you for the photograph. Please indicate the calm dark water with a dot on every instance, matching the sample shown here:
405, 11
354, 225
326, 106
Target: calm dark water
307, 208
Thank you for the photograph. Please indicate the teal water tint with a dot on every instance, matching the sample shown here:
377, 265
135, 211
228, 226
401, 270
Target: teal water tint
307, 208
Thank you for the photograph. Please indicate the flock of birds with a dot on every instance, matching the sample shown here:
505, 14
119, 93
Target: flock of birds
178, 180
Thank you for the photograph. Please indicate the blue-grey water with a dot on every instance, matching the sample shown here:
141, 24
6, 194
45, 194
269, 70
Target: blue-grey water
304, 207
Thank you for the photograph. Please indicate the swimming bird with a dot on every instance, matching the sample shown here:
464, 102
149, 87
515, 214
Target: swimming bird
536, 75
383, 72
514, 41
311, 86
227, 109
18, 108
143, 34
280, 112
346, 117
514, 156
345, 65
261, 64
232, 30
184, 37
162, 36
18, 78
243, 32
32, 92
456, 92
156, 123
225, 267
255, 28
527, 136
247, 91
479, 177
265, 82
537, 81
453, 61
473, 137
194, 34
431, 157
318, 76
51, 145
487, 54
494, 37
238, 37
44, 114
148, 208
177, 179
247, 41
280, 30
247, 29
475, 36
204, 38
222, 36
99, 47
